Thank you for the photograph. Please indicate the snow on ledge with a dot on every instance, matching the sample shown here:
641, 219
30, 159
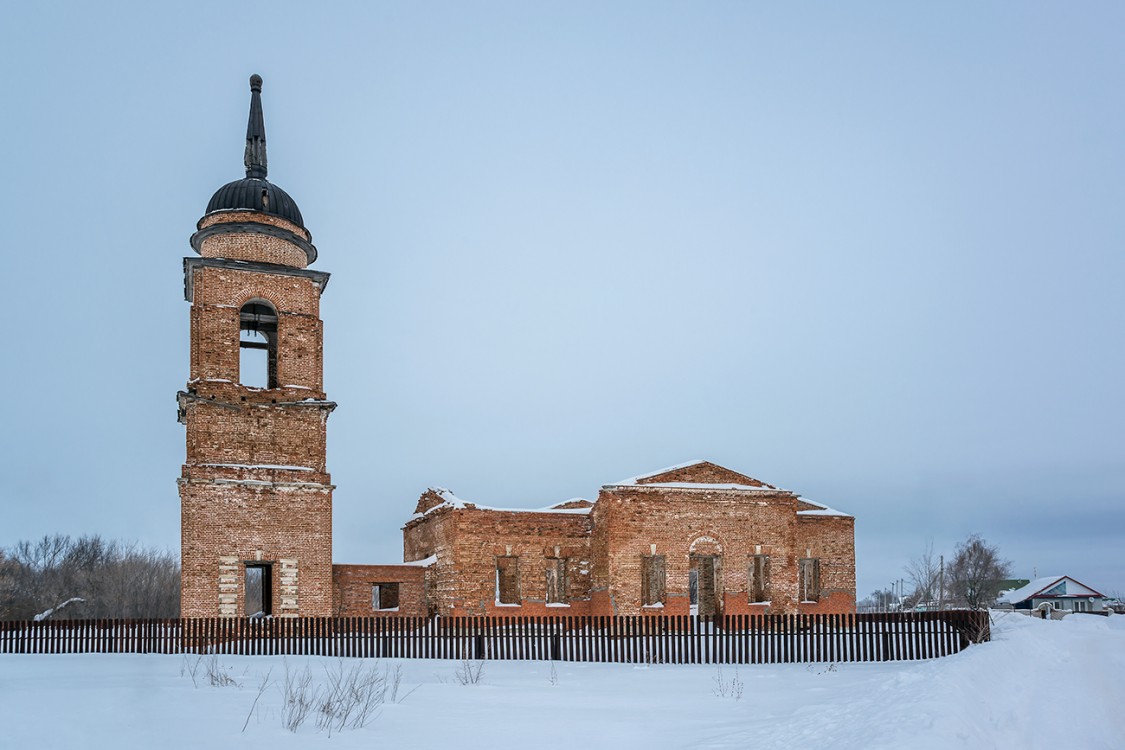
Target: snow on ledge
425, 562
259, 466
449, 500
820, 510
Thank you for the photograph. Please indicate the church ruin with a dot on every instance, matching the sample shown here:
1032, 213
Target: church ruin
256, 495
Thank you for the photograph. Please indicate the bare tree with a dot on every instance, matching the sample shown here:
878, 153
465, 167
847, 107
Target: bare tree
924, 574
7, 582
97, 578
977, 572
877, 601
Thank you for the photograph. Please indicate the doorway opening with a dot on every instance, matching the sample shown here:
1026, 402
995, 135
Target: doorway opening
703, 585
259, 590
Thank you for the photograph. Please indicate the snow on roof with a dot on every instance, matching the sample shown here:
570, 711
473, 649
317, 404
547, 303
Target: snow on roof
698, 486
1038, 586
665, 470
820, 510
425, 562
448, 497
449, 500
1018, 595
636, 481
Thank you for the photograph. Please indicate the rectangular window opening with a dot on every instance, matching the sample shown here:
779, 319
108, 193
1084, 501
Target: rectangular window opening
507, 580
808, 582
556, 581
759, 579
259, 590
384, 596
653, 575
704, 572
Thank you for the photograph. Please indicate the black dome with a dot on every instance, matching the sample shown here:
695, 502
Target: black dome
256, 194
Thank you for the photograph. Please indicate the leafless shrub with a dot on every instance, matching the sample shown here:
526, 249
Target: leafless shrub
188, 666
554, 676
350, 697
469, 671
393, 679
726, 688
265, 683
217, 675
298, 697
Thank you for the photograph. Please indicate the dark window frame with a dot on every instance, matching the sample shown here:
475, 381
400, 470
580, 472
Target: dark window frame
509, 595
383, 593
264, 586
260, 317
654, 580
561, 587
808, 579
758, 579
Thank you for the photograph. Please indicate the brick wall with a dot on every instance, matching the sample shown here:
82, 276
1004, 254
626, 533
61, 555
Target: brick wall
254, 523
255, 488
467, 542
831, 539
218, 296
264, 249
632, 522
706, 528
221, 432
353, 584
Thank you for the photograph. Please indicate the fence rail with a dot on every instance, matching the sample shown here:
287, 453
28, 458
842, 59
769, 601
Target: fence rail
733, 639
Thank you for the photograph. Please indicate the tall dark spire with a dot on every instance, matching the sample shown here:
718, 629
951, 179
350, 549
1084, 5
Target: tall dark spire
255, 158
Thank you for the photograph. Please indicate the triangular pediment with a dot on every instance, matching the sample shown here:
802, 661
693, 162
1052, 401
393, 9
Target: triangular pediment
699, 472
1067, 586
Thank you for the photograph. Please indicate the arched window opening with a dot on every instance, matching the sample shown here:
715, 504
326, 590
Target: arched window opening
257, 345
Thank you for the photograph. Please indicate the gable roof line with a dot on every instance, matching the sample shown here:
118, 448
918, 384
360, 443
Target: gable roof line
1039, 585
1059, 578
658, 472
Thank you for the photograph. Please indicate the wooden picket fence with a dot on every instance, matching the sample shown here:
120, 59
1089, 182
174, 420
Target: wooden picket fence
734, 639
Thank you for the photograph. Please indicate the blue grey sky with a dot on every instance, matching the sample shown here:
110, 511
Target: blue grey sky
869, 252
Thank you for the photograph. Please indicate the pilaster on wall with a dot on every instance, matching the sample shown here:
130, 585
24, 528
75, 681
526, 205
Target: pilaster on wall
287, 583
229, 570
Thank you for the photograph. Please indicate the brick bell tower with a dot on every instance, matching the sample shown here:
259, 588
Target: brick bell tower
256, 497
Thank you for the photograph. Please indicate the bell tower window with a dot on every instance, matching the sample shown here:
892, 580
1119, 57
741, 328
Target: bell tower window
257, 345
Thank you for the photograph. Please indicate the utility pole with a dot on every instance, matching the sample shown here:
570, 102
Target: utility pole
941, 586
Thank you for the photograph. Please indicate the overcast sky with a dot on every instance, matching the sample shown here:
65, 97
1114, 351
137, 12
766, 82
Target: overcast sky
871, 254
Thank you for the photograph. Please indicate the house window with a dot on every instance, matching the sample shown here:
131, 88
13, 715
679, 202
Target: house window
759, 579
507, 580
556, 581
808, 579
259, 590
653, 573
257, 345
384, 596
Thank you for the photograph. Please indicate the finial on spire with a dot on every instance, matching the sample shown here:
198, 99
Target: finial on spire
255, 158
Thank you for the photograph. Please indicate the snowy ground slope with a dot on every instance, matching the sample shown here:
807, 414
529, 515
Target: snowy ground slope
1037, 685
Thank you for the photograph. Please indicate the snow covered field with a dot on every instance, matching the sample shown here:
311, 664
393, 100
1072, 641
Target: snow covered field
1037, 685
